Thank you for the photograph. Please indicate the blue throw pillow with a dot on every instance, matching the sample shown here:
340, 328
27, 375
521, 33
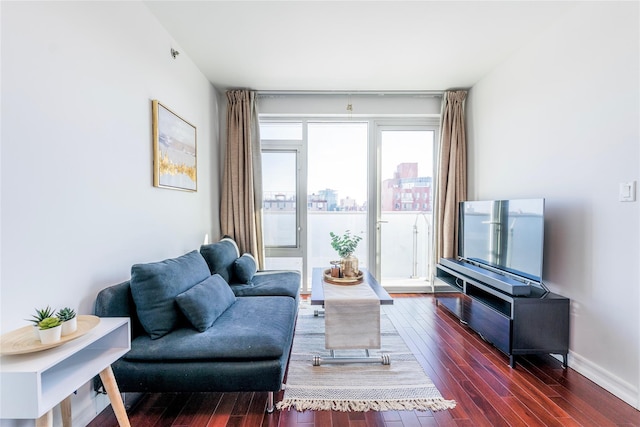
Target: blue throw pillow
245, 268
154, 288
206, 301
220, 257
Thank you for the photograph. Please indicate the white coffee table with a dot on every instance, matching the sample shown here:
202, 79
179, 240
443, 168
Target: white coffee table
318, 298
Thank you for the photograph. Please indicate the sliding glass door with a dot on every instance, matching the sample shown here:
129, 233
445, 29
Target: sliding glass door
404, 226
371, 178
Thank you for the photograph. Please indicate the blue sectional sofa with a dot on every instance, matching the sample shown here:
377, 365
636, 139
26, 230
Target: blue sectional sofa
205, 321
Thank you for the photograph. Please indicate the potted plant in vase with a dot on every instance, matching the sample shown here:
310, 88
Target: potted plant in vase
50, 330
69, 320
346, 245
41, 314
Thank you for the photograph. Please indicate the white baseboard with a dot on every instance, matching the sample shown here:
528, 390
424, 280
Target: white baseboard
615, 385
98, 403
85, 405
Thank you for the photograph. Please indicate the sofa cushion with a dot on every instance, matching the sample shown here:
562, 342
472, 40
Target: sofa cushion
244, 268
154, 287
205, 302
220, 257
256, 328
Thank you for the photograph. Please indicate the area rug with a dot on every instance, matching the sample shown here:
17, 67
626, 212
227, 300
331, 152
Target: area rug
358, 387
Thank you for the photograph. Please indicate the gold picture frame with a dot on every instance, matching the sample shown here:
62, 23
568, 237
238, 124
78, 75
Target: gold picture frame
175, 156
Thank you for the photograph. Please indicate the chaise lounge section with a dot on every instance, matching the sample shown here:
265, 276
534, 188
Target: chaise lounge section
205, 321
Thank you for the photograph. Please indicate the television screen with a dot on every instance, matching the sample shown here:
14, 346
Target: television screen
507, 235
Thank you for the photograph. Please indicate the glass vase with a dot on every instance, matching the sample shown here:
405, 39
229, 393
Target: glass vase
349, 266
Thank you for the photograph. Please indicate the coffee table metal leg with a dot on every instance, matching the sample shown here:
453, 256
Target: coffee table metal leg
384, 358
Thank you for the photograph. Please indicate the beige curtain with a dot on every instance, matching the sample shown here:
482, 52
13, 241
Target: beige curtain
241, 204
452, 173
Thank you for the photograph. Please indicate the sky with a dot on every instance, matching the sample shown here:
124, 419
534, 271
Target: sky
337, 154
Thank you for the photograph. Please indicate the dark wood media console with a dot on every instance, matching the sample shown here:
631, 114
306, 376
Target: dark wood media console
516, 325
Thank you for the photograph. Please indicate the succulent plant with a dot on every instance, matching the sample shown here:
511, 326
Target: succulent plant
49, 322
41, 314
65, 314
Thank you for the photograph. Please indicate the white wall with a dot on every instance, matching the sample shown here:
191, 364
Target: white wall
78, 204
560, 120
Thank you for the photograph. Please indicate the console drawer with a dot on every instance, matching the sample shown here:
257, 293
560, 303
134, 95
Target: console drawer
453, 303
493, 326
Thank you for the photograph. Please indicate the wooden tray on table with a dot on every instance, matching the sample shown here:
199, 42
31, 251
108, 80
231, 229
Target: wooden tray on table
343, 281
25, 340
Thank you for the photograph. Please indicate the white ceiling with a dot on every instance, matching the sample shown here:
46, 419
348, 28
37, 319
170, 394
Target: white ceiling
352, 45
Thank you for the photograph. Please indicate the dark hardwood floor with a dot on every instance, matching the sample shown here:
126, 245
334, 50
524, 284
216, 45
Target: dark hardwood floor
538, 392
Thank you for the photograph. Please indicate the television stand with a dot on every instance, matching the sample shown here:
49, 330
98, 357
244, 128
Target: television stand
535, 323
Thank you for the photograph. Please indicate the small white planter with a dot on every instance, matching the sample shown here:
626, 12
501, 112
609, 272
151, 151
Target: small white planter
69, 326
51, 335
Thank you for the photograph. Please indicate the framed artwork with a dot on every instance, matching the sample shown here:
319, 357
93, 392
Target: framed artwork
175, 157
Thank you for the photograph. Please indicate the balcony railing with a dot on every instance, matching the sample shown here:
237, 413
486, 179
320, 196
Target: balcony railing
405, 236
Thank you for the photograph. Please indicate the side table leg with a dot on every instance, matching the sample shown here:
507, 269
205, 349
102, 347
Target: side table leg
65, 409
110, 385
46, 420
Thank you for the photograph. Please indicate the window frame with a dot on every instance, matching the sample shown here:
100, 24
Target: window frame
376, 123
279, 146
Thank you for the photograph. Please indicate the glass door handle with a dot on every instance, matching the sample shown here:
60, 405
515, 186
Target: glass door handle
382, 221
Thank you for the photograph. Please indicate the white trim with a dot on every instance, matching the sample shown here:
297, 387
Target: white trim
615, 385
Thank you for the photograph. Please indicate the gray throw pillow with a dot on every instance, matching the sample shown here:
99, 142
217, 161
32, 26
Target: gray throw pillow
206, 301
245, 268
154, 287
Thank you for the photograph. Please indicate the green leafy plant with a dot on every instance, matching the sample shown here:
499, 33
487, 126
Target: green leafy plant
65, 314
41, 314
49, 322
345, 244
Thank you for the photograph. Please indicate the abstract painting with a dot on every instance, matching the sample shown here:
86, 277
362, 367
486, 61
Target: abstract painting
174, 150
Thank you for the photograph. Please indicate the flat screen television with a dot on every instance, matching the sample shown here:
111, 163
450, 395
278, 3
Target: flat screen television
505, 236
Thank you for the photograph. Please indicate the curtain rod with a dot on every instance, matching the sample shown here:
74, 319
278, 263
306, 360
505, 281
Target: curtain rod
346, 93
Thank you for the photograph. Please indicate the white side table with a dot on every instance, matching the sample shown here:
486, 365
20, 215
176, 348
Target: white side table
33, 384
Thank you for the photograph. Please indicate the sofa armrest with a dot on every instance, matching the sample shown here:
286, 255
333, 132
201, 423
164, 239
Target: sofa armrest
291, 277
271, 283
117, 301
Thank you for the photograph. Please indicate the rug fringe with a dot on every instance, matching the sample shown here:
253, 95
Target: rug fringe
366, 405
